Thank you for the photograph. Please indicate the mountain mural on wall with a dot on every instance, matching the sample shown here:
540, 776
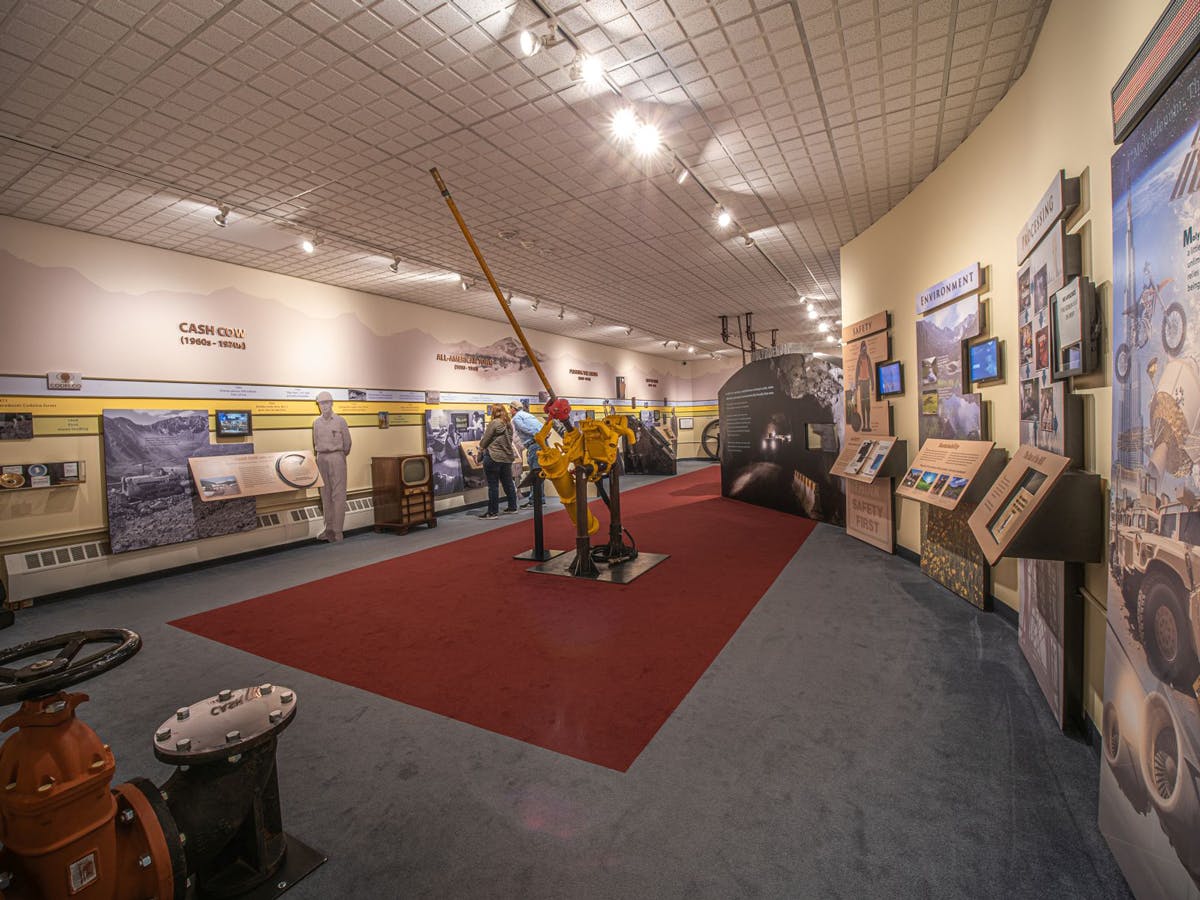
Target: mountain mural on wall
369, 344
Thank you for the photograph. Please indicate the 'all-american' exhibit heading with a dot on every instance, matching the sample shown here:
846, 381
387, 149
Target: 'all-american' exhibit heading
1060, 200
968, 281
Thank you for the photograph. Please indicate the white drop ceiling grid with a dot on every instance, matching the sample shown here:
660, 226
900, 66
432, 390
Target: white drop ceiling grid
807, 119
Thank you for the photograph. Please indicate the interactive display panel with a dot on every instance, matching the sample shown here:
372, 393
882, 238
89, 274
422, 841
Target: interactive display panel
889, 378
984, 361
234, 423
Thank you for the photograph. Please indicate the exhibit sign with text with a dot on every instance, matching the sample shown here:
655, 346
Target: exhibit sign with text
252, 474
968, 281
1014, 497
148, 486
779, 435
942, 471
1149, 781
869, 514
1058, 202
862, 457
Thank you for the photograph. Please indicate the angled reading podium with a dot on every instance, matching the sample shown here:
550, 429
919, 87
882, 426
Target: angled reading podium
945, 473
866, 457
1038, 509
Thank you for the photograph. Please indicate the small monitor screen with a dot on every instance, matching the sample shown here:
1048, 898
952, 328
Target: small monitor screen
985, 360
890, 379
234, 423
414, 471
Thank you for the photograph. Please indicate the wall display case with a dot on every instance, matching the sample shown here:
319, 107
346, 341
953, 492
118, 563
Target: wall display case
402, 492
28, 476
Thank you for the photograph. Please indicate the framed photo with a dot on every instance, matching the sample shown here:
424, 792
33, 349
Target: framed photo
685, 423
16, 426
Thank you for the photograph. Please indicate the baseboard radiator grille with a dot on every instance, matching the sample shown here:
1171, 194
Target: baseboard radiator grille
36, 573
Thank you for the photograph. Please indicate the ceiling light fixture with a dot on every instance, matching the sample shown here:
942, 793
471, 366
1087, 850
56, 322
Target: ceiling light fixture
682, 176
823, 327
691, 349
747, 240
536, 303
812, 311
712, 356
562, 312
628, 330
395, 266
647, 140
587, 69
309, 245
466, 283
624, 123
591, 320
724, 219
222, 216
531, 43
665, 343
829, 338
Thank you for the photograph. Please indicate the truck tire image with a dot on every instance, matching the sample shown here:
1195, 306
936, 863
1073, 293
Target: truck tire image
1165, 631
1170, 778
1121, 755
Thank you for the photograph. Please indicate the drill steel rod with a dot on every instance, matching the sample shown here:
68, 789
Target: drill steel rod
487, 273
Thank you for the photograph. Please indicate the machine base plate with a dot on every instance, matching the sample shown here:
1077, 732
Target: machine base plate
621, 573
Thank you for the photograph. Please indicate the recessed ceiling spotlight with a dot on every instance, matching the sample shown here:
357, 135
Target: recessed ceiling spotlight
308, 245
829, 338
724, 219
812, 311
823, 327
682, 175
624, 123
691, 349
647, 139
222, 216
395, 266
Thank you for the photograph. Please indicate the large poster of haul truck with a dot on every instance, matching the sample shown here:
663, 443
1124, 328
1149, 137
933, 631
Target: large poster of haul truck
1150, 773
150, 495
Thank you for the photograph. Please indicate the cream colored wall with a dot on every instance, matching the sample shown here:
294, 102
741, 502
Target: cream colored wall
1057, 116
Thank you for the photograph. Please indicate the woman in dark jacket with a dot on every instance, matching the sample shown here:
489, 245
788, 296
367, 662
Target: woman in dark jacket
498, 456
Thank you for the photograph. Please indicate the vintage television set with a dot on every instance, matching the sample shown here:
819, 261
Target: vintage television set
889, 379
234, 423
984, 362
402, 492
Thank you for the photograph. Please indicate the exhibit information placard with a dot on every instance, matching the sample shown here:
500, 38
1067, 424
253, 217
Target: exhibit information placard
862, 457
942, 471
1059, 200
251, 474
869, 513
968, 281
866, 327
1022, 486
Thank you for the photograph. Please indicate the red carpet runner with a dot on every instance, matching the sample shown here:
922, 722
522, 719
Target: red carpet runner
589, 670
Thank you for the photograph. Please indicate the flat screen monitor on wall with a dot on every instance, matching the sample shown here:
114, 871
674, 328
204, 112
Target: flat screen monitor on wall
234, 423
889, 379
984, 361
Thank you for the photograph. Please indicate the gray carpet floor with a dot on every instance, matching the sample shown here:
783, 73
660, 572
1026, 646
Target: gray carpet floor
863, 734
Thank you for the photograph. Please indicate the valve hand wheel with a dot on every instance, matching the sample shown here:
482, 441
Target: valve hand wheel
48, 671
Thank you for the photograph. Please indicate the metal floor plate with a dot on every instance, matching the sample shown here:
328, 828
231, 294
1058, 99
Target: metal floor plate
622, 573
